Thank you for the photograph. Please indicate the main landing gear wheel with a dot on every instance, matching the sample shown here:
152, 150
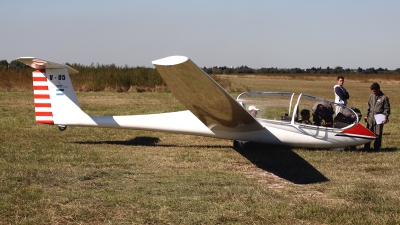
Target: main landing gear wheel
62, 127
239, 144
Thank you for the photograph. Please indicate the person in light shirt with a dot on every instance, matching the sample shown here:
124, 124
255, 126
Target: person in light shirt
253, 110
341, 94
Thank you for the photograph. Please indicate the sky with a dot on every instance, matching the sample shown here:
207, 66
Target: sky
255, 33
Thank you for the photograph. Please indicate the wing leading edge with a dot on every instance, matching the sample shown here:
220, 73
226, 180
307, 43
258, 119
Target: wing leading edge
204, 97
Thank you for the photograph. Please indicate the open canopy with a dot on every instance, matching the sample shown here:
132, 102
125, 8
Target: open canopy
281, 106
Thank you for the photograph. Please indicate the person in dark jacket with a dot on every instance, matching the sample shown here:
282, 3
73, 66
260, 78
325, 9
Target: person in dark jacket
305, 117
323, 114
378, 103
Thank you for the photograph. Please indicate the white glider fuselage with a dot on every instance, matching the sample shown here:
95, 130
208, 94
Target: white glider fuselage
212, 112
273, 132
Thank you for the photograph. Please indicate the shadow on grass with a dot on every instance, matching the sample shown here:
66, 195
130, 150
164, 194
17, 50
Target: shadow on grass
389, 149
371, 150
147, 141
282, 162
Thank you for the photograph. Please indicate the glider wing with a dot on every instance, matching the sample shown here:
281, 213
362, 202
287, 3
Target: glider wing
204, 97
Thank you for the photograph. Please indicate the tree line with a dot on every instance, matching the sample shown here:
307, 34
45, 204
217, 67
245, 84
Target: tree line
95, 77
241, 69
313, 70
230, 70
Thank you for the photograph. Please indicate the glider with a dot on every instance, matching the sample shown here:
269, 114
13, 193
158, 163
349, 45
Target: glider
211, 110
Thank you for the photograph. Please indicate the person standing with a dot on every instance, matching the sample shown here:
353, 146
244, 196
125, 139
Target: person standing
253, 110
341, 94
378, 103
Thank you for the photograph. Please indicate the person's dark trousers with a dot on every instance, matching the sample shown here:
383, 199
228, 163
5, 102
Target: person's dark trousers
377, 129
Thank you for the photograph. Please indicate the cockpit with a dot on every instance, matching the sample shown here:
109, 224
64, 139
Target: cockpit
282, 107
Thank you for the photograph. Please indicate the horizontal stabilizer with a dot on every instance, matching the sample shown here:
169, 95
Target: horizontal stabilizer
40, 64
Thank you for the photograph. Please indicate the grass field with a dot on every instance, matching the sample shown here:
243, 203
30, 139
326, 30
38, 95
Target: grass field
111, 176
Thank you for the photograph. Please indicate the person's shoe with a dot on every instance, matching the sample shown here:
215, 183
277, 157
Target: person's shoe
366, 149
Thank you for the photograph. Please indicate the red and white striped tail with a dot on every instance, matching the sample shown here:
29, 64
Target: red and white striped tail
54, 96
41, 94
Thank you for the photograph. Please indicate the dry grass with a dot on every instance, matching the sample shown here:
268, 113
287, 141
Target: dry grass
111, 176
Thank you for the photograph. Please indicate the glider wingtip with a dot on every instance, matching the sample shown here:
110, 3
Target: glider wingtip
170, 60
26, 57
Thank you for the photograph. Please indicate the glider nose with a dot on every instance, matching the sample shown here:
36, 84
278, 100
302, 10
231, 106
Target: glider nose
359, 131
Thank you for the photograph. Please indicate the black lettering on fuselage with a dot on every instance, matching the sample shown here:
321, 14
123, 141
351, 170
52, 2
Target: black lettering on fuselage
59, 77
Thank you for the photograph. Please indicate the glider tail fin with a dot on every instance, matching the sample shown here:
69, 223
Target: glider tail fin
54, 96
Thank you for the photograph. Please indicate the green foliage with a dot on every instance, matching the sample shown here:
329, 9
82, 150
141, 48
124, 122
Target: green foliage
313, 70
111, 77
17, 75
98, 77
3, 64
17, 65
